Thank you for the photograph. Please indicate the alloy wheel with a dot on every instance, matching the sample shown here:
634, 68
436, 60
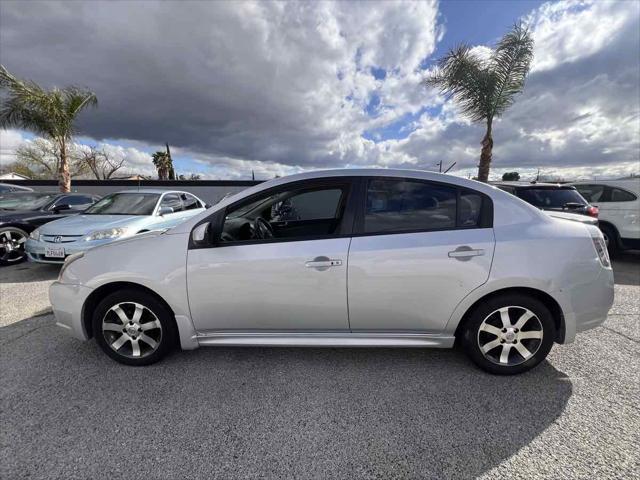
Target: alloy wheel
132, 330
510, 335
12, 245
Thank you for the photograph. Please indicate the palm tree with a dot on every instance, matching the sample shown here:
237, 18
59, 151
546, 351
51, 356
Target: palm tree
162, 162
50, 113
485, 88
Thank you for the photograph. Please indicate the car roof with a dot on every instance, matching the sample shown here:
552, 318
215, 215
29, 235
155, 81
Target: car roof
505, 204
532, 185
631, 184
158, 191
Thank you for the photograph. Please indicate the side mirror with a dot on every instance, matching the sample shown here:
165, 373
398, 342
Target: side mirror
201, 235
60, 208
165, 211
207, 205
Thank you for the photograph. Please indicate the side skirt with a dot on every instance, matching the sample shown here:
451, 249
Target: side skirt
278, 339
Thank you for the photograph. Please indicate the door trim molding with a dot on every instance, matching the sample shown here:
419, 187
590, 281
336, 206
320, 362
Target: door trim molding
346, 339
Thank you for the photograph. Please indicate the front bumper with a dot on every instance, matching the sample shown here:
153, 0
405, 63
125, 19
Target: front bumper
36, 249
67, 301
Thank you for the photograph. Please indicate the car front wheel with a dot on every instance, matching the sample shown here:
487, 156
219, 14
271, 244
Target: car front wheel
509, 334
12, 242
133, 327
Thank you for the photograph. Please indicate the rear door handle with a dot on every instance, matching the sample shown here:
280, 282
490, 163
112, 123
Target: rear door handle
322, 263
465, 253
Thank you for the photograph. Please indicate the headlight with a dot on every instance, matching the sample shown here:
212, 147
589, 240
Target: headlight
35, 235
68, 261
105, 234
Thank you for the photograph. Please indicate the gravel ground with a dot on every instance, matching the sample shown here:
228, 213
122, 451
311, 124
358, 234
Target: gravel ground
70, 412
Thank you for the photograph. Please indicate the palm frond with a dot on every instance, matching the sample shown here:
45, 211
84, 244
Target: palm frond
510, 64
463, 76
28, 106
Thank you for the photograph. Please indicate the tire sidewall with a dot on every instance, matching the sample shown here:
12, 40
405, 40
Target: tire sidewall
162, 313
470, 332
613, 245
24, 253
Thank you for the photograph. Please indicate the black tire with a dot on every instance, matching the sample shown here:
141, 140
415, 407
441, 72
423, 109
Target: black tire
489, 311
12, 253
611, 238
164, 337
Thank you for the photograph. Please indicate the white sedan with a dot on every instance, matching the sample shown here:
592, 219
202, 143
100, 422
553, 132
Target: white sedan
346, 258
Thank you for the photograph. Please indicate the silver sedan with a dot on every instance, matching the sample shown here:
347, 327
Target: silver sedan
347, 258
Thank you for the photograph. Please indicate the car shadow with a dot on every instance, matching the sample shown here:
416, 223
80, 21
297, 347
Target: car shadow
26, 272
269, 412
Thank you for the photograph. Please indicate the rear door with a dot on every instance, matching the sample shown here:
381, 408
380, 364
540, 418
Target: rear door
421, 247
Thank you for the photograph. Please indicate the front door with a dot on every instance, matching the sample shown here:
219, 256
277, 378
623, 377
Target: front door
422, 248
280, 263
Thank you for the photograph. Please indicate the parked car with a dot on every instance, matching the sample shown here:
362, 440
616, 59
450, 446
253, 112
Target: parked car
619, 205
118, 215
375, 258
8, 187
561, 201
23, 212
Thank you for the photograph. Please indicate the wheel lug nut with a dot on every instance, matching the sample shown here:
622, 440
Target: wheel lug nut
504, 330
501, 341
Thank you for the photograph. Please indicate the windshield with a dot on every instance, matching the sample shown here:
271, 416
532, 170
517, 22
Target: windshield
125, 204
25, 200
551, 197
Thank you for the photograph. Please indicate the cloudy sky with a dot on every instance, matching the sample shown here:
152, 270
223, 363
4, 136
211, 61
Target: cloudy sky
283, 87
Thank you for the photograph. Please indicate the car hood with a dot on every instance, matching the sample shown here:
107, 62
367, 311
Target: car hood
13, 215
84, 224
576, 217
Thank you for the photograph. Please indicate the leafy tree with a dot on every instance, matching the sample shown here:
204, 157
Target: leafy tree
485, 88
510, 176
192, 176
41, 159
50, 113
101, 163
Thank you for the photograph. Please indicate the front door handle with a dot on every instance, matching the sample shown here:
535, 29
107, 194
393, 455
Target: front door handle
323, 263
465, 253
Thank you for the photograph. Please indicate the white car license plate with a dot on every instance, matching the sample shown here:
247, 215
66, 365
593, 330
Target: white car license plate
54, 252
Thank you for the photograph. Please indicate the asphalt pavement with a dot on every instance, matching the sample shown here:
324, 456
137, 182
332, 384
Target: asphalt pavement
70, 412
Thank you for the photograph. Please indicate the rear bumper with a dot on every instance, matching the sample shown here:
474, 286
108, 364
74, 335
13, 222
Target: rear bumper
587, 305
67, 301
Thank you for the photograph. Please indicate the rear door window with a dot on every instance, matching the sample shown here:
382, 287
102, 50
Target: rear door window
172, 200
551, 197
592, 193
406, 205
619, 195
190, 202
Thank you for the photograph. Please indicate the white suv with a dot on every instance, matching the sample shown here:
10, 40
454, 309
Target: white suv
618, 202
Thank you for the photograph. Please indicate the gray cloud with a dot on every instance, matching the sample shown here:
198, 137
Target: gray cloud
281, 86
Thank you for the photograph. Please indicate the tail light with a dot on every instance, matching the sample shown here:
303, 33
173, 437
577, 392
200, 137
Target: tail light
601, 249
592, 211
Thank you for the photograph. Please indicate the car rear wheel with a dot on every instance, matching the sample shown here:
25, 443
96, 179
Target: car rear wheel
12, 242
509, 334
610, 239
133, 327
